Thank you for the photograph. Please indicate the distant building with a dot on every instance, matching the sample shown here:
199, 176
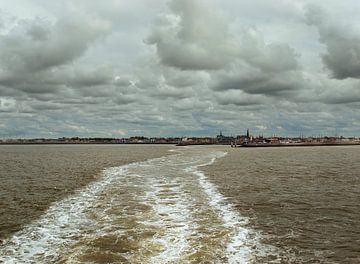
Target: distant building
221, 139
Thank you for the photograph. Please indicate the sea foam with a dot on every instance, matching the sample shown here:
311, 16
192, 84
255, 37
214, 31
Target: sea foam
43, 240
243, 239
165, 185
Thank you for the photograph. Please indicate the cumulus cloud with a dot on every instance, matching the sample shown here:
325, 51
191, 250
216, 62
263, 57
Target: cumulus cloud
340, 92
192, 37
255, 81
342, 42
177, 67
268, 57
37, 45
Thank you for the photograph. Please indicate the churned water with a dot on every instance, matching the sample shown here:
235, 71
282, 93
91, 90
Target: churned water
196, 205
34, 176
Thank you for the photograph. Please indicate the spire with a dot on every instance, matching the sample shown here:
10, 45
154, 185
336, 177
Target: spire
247, 133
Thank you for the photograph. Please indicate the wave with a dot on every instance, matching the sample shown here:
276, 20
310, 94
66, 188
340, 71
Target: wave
158, 211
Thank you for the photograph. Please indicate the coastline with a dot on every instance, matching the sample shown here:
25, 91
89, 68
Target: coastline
299, 145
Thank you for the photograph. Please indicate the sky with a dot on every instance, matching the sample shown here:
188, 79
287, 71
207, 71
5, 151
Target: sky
121, 68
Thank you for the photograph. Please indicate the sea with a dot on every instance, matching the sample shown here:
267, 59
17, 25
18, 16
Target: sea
168, 204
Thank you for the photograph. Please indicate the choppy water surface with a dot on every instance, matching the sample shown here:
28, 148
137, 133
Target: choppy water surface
159, 211
34, 176
297, 205
305, 200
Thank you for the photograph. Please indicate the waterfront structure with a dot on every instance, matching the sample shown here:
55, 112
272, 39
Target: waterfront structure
246, 140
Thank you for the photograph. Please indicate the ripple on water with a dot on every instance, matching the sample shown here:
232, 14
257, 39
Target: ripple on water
159, 211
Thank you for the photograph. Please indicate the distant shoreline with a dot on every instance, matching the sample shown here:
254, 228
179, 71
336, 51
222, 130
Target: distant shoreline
255, 145
247, 141
81, 143
300, 145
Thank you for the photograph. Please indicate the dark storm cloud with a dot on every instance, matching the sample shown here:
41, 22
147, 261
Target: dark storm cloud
342, 43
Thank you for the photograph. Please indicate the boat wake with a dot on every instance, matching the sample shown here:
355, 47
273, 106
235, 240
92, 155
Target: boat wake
163, 210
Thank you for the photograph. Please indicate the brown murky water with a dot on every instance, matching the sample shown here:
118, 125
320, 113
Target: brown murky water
34, 176
306, 201
294, 205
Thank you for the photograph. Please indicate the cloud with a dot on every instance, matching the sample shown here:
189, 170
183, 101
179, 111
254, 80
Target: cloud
164, 91
240, 98
255, 81
7, 104
91, 77
267, 57
341, 92
342, 42
36, 45
191, 105
73, 68
183, 79
192, 37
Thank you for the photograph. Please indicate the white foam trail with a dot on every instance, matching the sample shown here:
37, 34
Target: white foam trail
171, 212
174, 219
60, 226
239, 248
164, 189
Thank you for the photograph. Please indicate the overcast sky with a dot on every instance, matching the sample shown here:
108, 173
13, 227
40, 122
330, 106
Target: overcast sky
179, 67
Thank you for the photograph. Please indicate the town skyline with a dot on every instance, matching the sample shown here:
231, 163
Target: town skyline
139, 138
